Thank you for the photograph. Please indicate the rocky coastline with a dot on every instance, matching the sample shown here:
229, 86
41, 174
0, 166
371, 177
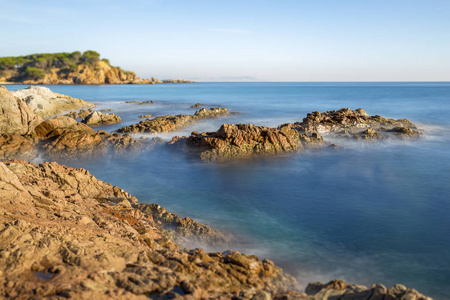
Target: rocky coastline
65, 233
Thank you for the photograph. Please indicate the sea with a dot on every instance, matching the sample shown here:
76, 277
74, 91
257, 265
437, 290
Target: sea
365, 213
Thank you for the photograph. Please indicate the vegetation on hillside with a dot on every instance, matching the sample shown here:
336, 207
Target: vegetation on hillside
35, 66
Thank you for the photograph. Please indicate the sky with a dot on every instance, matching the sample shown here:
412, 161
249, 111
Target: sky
246, 40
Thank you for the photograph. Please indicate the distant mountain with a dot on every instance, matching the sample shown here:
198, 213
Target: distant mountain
68, 68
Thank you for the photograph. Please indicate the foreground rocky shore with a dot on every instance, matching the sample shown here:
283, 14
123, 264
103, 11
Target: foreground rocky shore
64, 233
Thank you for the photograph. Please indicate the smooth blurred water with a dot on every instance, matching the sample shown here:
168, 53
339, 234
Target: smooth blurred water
371, 213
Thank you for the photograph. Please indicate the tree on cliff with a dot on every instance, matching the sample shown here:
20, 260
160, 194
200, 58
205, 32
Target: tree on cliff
90, 56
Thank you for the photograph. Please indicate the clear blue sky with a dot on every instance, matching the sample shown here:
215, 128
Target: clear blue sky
311, 40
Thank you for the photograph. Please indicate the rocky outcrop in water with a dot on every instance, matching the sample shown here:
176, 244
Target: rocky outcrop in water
45, 103
356, 123
196, 105
81, 114
247, 140
24, 134
99, 118
172, 123
146, 116
65, 137
139, 102
338, 289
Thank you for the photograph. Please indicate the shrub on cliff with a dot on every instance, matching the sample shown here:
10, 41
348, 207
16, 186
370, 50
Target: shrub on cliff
34, 73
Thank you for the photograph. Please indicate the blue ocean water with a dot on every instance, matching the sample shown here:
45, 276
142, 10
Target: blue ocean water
371, 213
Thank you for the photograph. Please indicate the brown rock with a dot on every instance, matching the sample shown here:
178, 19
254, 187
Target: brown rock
16, 146
15, 116
65, 137
246, 140
171, 123
83, 113
99, 118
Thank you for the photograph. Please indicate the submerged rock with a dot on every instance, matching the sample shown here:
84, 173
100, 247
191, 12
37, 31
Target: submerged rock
45, 103
172, 123
99, 118
247, 140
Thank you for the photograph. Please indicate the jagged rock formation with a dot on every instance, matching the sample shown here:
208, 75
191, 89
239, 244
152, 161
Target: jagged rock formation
45, 103
64, 233
99, 118
65, 137
247, 140
172, 123
357, 124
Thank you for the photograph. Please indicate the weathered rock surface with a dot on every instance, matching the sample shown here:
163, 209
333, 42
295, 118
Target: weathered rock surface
356, 123
45, 103
65, 137
17, 146
99, 118
171, 123
63, 233
247, 140
15, 115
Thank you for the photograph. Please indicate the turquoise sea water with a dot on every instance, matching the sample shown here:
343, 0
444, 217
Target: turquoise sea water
369, 213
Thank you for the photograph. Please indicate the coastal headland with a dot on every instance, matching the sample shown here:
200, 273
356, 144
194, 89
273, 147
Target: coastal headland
68, 68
